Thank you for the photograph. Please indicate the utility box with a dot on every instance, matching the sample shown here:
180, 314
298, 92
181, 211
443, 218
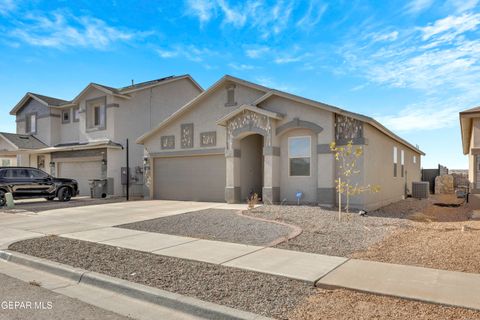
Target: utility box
98, 188
420, 189
124, 175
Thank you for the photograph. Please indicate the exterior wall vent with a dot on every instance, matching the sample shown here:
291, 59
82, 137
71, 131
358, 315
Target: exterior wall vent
420, 189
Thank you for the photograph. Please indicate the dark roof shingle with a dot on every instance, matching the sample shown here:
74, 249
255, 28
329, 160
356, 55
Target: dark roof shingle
24, 141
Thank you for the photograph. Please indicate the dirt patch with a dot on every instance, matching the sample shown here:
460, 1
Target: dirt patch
348, 305
442, 237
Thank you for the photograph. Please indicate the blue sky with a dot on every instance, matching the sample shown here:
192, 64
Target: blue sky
413, 65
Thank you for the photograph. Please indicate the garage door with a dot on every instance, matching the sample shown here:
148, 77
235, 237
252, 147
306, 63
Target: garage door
82, 172
199, 178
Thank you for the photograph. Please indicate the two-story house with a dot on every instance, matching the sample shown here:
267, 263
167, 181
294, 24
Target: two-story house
85, 138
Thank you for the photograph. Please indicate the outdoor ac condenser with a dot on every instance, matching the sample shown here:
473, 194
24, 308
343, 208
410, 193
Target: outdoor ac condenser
420, 189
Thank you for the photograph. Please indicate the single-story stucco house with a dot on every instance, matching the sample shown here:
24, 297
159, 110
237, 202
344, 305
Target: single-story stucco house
239, 137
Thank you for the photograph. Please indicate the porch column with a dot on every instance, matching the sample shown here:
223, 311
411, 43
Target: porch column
271, 174
232, 189
326, 170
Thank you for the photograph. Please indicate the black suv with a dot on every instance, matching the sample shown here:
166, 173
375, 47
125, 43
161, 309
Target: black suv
24, 182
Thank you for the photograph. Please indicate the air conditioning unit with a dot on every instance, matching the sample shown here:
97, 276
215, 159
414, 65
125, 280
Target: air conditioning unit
420, 189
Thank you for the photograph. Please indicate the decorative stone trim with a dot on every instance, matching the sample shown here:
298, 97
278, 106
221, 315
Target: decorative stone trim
235, 153
188, 153
347, 128
271, 151
208, 139
232, 194
296, 123
249, 121
167, 142
186, 136
230, 95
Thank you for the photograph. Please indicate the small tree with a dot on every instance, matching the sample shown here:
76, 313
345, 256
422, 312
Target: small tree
347, 157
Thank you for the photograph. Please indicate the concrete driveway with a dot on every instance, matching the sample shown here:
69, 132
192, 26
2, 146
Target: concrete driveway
20, 226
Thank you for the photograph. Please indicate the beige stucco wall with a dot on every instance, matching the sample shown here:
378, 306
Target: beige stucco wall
378, 168
68, 132
12, 159
289, 186
204, 116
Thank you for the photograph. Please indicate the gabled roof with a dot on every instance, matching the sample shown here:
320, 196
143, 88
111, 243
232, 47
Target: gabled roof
23, 141
269, 92
45, 100
466, 126
223, 121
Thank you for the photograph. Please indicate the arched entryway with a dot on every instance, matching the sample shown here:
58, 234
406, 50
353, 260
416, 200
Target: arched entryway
251, 166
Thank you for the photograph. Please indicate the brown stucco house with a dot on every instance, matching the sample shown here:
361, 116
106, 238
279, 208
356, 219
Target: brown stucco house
239, 137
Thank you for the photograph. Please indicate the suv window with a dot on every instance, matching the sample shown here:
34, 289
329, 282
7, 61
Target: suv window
16, 173
2, 173
33, 173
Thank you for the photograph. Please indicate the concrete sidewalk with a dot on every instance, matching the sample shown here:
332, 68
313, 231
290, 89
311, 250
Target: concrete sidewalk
424, 284
430, 285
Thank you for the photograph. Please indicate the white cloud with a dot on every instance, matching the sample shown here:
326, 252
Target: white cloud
451, 26
61, 30
255, 53
283, 59
241, 67
7, 6
440, 61
271, 83
314, 14
463, 5
392, 36
202, 9
190, 52
417, 6
268, 18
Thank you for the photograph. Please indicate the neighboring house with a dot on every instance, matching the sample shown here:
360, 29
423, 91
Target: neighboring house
84, 138
470, 129
238, 137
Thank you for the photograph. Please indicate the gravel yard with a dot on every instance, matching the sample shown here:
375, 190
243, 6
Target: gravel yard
259, 293
324, 234
247, 290
435, 239
216, 224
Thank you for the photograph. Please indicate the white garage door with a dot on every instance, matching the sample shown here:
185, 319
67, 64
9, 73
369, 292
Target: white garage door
200, 178
82, 172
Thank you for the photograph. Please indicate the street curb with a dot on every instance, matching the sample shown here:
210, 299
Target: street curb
192, 306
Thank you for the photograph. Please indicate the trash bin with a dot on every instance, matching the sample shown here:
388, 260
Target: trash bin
98, 188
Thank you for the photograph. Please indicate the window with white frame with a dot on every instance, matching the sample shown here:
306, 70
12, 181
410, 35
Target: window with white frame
96, 114
66, 116
402, 161
414, 159
31, 123
395, 161
299, 154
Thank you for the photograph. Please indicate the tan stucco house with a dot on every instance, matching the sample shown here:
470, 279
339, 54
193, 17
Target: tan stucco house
84, 138
239, 137
470, 129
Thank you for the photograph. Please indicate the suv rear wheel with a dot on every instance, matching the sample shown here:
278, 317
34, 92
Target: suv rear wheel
2, 198
64, 194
